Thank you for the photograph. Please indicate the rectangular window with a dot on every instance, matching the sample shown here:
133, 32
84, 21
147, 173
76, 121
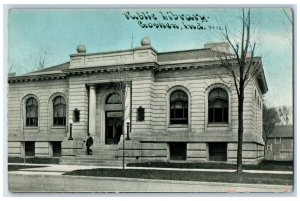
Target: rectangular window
140, 114
179, 116
56, 149
59, 121
76, 115
218, 115
277, 140
177, 151
225, 111
29, 148
31, 121
217, 151
211, 115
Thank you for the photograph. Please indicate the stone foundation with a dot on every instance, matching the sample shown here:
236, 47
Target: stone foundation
41, 149
71, 147
15, 149
136, 151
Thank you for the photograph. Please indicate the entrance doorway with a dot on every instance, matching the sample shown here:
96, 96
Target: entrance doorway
113, 118
114, 127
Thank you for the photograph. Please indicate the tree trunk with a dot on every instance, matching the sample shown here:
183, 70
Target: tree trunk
265, 148
240, 131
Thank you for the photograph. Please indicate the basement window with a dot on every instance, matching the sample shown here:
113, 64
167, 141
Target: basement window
56, 149
29, 148
217, 151
177, 151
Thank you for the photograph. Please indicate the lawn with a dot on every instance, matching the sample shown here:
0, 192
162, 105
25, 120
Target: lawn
18, 167
264, 165
278, 179
35, 160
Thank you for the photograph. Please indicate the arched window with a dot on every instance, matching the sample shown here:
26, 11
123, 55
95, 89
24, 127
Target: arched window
179, 107
218, 106
31, 112
113, 98
59, 111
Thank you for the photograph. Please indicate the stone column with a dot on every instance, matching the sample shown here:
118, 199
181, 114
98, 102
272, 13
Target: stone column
127, 105
92, 111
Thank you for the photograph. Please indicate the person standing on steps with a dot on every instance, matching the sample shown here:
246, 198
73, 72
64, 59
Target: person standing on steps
89, 143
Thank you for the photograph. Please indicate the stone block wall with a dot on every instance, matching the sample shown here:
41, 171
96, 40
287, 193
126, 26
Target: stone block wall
143, 151
43, 149
15, 149
71, 147
252, 152
197, 152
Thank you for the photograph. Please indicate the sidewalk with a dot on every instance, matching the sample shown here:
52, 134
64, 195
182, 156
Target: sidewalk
61, 169
51, 179
64, 183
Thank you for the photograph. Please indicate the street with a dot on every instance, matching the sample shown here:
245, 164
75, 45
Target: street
23, 181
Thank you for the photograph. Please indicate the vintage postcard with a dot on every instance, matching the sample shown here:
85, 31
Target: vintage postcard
150, 100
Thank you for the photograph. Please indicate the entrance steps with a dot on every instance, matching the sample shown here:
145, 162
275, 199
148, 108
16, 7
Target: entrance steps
103, 155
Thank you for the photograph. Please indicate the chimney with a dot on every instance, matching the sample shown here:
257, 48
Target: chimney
219, 47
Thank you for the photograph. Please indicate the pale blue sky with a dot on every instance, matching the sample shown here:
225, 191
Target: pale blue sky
58, 32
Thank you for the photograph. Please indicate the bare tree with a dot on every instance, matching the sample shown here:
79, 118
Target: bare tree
284, 114
13, 66
289, 27
270, 120
119, 83
37, 59
290, 19
242, 66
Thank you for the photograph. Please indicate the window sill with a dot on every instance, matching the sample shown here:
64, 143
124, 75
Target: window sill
31, 127
178, 126
58, 127
218, 125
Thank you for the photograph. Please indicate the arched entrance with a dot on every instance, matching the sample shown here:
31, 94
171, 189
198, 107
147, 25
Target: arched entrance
113, 118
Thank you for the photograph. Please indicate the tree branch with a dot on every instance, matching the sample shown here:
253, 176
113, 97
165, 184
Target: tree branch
288, 17
250, 64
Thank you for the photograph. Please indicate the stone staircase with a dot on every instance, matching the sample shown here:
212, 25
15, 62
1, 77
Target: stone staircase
103, 155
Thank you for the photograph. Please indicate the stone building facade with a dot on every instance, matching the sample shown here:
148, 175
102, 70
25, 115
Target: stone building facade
178, 106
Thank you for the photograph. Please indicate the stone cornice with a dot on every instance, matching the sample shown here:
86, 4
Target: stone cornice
113, 68
189, 65
130, 67
30, 78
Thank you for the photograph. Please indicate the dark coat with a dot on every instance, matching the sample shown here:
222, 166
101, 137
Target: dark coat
89, 141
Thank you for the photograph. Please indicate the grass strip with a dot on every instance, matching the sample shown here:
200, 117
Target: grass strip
250, 178
264, 165
35, 160
18, 167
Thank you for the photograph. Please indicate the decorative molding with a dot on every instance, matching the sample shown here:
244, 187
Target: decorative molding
31, 78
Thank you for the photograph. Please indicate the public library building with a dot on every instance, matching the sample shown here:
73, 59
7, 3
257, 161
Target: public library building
169, 106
